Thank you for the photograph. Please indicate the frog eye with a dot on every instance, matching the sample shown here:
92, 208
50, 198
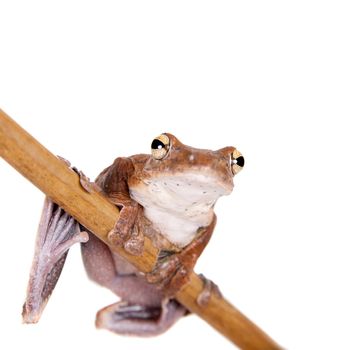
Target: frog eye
160, 146
237, 162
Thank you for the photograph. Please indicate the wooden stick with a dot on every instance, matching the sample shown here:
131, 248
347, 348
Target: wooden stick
97, 214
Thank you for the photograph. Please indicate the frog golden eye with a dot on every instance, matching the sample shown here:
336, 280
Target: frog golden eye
237, 162
160, 146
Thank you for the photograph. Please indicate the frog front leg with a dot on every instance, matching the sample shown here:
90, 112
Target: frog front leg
125, 232
113, 182
139, 320
143, 310
172, 271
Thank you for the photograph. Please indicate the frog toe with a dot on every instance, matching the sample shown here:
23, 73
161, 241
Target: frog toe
209, 288
139, 320
169, 275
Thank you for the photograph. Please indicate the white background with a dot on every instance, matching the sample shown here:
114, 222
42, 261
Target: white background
93, 80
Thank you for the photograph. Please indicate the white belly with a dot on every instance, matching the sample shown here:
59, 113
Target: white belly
178, 229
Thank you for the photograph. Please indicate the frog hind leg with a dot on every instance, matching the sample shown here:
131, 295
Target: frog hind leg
57, 232
142, 311
138, 320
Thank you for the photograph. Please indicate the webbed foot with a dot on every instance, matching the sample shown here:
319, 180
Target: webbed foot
85, 182
57, 232
139, 320
171, 273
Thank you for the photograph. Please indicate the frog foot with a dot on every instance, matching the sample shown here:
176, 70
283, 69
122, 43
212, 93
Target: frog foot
170, 274
139, 320
209, 288
85, 182
120, 236
57, 232
120, 233
125, 232
135, 244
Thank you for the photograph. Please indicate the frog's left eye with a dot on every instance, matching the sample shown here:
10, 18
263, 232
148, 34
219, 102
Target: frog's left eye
237, 162
160, 146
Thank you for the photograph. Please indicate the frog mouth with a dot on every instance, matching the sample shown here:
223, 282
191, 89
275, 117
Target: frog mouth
196, 185
204, 183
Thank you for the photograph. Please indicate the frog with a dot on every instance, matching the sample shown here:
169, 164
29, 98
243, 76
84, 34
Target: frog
167, 196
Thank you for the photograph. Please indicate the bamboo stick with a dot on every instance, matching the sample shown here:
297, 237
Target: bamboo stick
97, 214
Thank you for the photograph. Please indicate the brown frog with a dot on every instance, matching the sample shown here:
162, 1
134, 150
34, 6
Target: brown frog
168, 196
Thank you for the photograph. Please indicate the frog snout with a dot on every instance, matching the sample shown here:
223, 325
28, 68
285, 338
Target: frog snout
237, 162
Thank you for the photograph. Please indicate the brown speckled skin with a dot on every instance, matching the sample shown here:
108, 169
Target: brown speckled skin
172, 272
146, 307
133, 172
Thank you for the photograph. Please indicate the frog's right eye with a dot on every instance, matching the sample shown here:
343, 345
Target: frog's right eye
237, 162
160, 146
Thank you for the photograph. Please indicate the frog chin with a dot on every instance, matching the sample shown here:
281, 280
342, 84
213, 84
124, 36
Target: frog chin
179, 204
